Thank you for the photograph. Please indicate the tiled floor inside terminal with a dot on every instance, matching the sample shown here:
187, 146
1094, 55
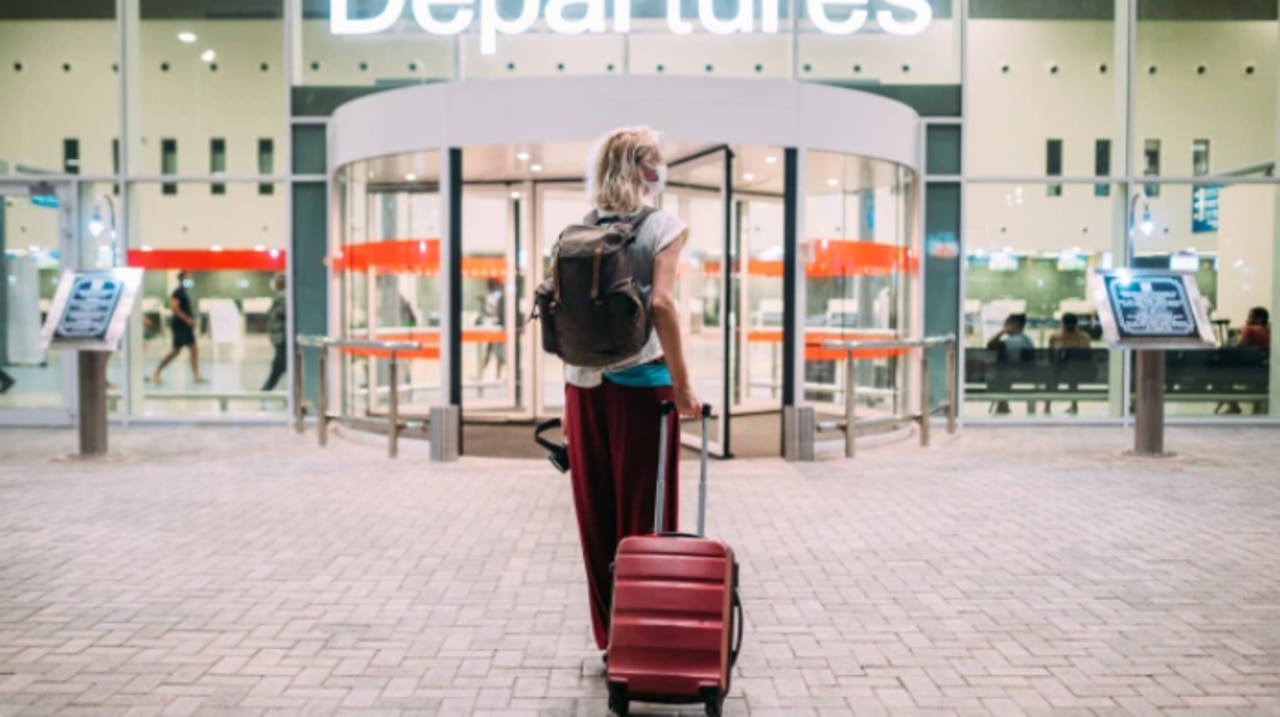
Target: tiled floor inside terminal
1004, 571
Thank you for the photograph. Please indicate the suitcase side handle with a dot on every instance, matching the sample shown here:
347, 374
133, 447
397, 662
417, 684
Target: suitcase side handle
735, 648
702, 471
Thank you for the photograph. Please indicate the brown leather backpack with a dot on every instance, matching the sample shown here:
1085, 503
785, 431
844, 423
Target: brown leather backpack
593, 311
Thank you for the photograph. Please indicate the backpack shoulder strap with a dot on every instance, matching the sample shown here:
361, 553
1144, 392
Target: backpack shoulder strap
635, 221
638, 220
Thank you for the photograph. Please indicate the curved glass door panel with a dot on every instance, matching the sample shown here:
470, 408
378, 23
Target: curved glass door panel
387, 266
696, 192
491, 343
757, 302
861, 271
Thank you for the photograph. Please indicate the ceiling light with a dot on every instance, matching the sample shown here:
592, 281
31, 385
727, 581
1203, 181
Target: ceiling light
411, 177
215, 247
187, 37
771, 159
515, 195
523, 156
371, 174
535, 167
833, 182
208, 56
748, 177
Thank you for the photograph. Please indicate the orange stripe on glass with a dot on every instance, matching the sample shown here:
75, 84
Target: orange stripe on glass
207, 259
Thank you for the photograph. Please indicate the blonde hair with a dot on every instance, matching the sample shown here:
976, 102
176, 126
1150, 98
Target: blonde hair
615, 180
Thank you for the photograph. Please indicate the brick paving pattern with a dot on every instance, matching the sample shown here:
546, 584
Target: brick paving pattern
238, 571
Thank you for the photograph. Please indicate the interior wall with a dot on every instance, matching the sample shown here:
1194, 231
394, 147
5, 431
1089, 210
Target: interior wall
195, 218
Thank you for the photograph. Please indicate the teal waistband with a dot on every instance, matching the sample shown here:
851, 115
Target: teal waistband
649, 375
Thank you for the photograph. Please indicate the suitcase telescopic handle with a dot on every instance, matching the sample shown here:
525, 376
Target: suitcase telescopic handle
665, 409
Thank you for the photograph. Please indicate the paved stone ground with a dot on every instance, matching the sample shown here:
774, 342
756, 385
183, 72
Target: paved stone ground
233, 571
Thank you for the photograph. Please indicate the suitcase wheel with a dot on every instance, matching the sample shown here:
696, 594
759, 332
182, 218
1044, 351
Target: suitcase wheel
714, 701
618, 702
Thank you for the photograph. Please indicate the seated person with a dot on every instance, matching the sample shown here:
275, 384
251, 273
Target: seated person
1069, 337
1014, 346
1257, 331
1256, 336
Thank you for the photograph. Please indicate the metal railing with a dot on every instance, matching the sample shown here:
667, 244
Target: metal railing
322, 344
850, 425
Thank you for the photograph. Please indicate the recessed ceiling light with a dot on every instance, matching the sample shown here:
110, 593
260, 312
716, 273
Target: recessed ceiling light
833, 182
515, 195
748, 176
371, 174
187, 37
523, 156
411, 177
215, 247
771, 159
535, 167
208, 56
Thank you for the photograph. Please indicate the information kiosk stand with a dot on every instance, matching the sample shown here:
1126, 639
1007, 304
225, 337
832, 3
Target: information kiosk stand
1150, 311
89, 314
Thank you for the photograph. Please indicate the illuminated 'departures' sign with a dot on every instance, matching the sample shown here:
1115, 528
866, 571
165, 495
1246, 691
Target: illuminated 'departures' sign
588, 16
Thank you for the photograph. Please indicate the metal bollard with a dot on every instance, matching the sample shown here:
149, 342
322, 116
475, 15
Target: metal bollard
850, 407
91, 367
322, 402
798, 431
393, 409
924, 397
443, 433
299, 388
951, 386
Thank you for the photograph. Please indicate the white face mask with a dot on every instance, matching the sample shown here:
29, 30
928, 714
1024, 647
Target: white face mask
656, 187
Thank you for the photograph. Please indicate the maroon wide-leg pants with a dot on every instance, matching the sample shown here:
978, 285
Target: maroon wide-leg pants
613, 463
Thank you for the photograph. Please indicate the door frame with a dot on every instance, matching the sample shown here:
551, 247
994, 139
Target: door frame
68, 249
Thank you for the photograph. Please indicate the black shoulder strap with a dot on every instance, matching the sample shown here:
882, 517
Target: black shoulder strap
635, 220
638, 220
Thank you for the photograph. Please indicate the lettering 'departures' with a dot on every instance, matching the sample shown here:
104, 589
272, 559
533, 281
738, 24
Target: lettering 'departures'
452, 17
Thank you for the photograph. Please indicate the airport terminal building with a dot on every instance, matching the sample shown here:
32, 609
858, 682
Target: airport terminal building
851, 170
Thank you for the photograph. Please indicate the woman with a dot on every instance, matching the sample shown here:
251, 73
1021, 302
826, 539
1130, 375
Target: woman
1256, 336
611, 419
1070, 337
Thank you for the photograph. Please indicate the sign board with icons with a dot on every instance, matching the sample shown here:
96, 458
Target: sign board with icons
1204, 208
91, 309
1151, 309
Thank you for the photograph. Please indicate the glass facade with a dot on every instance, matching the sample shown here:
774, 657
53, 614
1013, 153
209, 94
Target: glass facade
1058, 138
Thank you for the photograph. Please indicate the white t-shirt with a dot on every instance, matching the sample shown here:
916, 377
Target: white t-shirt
657, 233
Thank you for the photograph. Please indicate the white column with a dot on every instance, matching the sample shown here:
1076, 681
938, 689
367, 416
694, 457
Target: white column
128, 17
1122, 149
1274, 403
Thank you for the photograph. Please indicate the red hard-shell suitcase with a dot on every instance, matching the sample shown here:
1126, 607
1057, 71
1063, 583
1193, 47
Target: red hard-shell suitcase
676, 621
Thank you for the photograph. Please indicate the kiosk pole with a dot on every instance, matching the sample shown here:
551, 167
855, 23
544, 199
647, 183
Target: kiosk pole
1148, 424
92, 367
